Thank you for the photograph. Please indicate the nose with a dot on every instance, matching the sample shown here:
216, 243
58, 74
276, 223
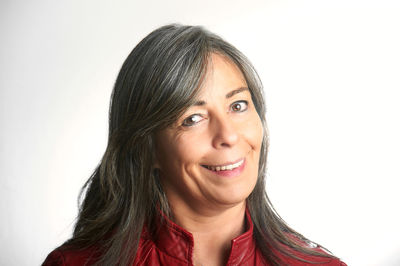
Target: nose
224, 132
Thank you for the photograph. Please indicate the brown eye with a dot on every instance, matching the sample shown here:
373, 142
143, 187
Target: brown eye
239, 106
192, 120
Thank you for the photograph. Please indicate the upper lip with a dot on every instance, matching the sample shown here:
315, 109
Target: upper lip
224, 164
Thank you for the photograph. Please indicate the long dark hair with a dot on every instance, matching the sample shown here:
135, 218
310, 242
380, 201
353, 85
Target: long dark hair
158, 81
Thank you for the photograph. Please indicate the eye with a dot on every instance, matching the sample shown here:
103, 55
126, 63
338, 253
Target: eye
239, 106
192, 120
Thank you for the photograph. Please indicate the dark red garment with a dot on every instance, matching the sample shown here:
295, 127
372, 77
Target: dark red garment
174, 246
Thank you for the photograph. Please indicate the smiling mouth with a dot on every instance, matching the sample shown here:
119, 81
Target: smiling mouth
226, 167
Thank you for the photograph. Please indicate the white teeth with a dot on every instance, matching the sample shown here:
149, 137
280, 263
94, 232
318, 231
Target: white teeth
226, 167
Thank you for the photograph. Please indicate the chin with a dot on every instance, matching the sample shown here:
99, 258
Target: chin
234, 196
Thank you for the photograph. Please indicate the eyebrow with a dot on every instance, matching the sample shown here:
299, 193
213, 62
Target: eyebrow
230, 94
227, 96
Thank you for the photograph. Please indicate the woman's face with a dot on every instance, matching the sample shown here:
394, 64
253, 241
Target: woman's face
209, 157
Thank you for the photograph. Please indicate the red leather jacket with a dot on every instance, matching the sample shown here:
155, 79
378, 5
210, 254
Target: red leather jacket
174, 246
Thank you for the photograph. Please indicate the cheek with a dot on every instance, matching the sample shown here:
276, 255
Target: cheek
181, 154
254, 132
191, 149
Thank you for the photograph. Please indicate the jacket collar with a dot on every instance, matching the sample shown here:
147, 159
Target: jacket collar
178, 243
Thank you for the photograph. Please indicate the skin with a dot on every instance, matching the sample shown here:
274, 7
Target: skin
222, 128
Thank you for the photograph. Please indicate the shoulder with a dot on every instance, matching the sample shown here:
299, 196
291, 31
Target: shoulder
326, 259
313, 260
64, 256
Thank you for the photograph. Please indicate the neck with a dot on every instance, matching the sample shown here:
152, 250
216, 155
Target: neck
212, 232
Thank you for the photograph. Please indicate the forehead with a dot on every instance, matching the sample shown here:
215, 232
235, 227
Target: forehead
222, 76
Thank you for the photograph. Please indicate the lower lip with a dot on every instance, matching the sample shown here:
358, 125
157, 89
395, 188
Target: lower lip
229, 173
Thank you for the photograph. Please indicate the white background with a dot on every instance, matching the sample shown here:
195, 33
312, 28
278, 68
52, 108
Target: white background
331, 75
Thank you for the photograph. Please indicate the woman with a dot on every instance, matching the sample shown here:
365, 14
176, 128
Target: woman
182, 181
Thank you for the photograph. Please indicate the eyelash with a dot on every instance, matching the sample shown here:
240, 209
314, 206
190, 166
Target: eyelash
188, 123
240, 103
